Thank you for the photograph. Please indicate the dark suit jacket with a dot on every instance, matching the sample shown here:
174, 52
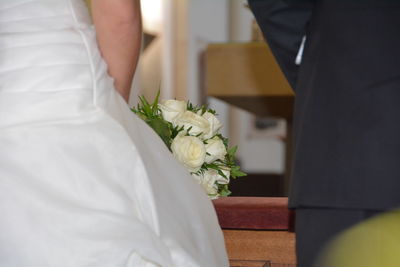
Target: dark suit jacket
347, 108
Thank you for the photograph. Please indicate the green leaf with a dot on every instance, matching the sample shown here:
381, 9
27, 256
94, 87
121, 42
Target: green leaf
155, 103
235, 172
211, 166
147, 108
175, 130
188, 130
161, 128
232, 151
222, 174
223, 190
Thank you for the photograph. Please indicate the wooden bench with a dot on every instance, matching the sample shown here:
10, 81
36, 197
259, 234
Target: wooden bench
258, 231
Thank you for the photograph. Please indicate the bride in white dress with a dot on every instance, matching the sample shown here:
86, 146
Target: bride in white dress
83, 182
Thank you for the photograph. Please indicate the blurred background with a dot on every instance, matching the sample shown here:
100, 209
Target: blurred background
212, 52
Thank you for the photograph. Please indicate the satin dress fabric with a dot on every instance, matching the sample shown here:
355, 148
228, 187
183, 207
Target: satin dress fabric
83, 181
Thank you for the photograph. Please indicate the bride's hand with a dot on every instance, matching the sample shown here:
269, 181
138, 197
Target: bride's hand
119, 31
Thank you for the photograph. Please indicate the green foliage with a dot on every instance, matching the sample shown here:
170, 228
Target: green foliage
162, 128
223, 190
151, 114
146, 110
231, 163
235, 172
175, 130
202, 108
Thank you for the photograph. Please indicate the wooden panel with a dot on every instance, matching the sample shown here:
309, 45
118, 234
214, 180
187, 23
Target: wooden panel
264, 106
254, 213
243, 69
239, 263
274, 246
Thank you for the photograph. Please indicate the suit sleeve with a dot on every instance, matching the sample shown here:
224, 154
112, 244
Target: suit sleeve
283, 23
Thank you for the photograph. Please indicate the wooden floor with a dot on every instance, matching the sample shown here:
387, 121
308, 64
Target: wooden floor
277, 247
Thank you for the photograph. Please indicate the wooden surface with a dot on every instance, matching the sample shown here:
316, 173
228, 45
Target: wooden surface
263, 106
250, 245
251, 263
246, 75
257, 230
244, 69
255, 213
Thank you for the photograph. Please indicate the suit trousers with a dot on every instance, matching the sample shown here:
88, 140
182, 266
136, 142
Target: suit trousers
315, 227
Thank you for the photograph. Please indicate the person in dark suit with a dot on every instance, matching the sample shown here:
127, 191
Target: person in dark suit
346, 164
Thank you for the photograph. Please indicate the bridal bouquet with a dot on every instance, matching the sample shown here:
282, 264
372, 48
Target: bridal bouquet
192, 134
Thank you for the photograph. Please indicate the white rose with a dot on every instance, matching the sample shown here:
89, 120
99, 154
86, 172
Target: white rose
207, 181
196, 123
215, 149
170, 109
190, 151
215, 124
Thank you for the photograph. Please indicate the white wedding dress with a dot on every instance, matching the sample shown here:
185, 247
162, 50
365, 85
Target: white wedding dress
83, 182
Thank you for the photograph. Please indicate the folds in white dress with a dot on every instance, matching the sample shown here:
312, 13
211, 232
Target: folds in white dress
83, 182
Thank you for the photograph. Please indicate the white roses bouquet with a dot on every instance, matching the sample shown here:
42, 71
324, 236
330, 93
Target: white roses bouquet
192, 135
